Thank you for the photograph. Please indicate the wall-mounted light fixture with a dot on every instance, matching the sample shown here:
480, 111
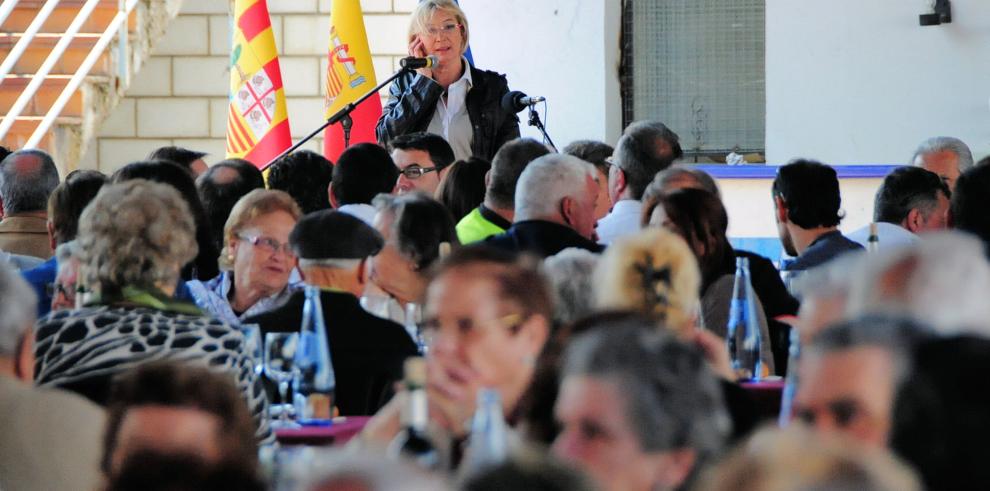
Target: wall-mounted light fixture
942, 14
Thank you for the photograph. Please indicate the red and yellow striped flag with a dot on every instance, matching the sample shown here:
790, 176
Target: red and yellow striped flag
350, 75
257, 119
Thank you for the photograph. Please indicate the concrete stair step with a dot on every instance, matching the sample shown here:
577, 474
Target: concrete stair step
50, 89
63, 15
35, 55
24, 127
49, 39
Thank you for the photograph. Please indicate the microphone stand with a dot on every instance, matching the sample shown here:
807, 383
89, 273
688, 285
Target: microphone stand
534, 120
342, 116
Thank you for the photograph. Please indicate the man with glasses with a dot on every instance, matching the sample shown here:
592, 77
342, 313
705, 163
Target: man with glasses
422, 160
367, 351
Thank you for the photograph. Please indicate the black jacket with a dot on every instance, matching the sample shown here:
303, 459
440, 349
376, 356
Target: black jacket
541, 238
413, 99
367, 352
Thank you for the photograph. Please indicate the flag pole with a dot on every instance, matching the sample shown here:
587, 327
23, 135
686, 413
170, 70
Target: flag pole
339, 115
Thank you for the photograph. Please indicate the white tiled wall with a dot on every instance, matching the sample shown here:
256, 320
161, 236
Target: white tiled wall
179, 96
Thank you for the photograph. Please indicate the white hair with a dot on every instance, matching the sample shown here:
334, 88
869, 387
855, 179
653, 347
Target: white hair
315, 469
942, 281
18, 308
946, 144
571, 274
546, 181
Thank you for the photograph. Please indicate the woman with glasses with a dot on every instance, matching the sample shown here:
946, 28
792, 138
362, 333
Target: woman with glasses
451, 99
488, 316
256, 260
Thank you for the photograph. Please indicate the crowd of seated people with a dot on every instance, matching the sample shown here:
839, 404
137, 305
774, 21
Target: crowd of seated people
129, 345
592, 290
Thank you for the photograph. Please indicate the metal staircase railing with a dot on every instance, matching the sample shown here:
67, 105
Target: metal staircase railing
119, 23
118, 26
5, 9
25, 41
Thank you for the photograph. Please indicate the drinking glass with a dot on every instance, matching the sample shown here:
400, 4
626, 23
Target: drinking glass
280, 352
253, 347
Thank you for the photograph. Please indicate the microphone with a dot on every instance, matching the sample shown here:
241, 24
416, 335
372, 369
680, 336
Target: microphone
516, 101
412, 62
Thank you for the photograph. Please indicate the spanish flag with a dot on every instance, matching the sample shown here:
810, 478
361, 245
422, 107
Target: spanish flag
257, 119
350, 75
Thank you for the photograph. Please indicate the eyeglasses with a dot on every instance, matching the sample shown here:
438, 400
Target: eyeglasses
465, 328
447, 30
268, 244
843, 413
415, 171
54, 289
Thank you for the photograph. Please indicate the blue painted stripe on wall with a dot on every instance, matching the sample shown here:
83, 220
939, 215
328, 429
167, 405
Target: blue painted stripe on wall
721, 171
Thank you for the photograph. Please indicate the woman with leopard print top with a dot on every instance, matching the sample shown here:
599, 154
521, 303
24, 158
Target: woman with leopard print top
133, 239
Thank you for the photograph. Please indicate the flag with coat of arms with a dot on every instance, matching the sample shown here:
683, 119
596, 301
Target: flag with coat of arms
350, 74
257, 118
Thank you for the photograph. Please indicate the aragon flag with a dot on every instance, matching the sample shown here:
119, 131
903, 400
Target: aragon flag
257, 119
350, 75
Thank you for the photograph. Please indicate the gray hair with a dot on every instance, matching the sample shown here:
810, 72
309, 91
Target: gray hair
946, 144
135, 233
665, 178
66, 251
27, 190
673, 399
942, 280
799, 458
829, 280
18, 305
546, 181
315, 469
893, 334
640, 153
571, 276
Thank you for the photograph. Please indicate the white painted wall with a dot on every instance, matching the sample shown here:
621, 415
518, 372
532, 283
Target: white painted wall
854, 81
565, 50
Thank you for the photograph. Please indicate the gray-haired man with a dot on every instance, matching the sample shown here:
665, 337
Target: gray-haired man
27, 178
944, 155
51, 439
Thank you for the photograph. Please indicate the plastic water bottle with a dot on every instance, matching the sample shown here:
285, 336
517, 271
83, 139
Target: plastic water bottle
791, 384
873, 241
413, 313
315, 379
746, 361
488, 444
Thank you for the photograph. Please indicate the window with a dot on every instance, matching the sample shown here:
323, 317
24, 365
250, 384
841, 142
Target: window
697, 66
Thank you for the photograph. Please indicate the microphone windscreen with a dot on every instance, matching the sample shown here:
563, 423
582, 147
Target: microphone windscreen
510, 101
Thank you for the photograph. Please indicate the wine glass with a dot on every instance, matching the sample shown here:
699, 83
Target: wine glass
253, 347
280, 352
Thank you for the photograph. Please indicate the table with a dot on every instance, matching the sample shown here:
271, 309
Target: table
766, 396
342, 430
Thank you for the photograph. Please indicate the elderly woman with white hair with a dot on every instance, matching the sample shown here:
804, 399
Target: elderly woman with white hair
451, 98
133, 240
256, 262
555, 208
